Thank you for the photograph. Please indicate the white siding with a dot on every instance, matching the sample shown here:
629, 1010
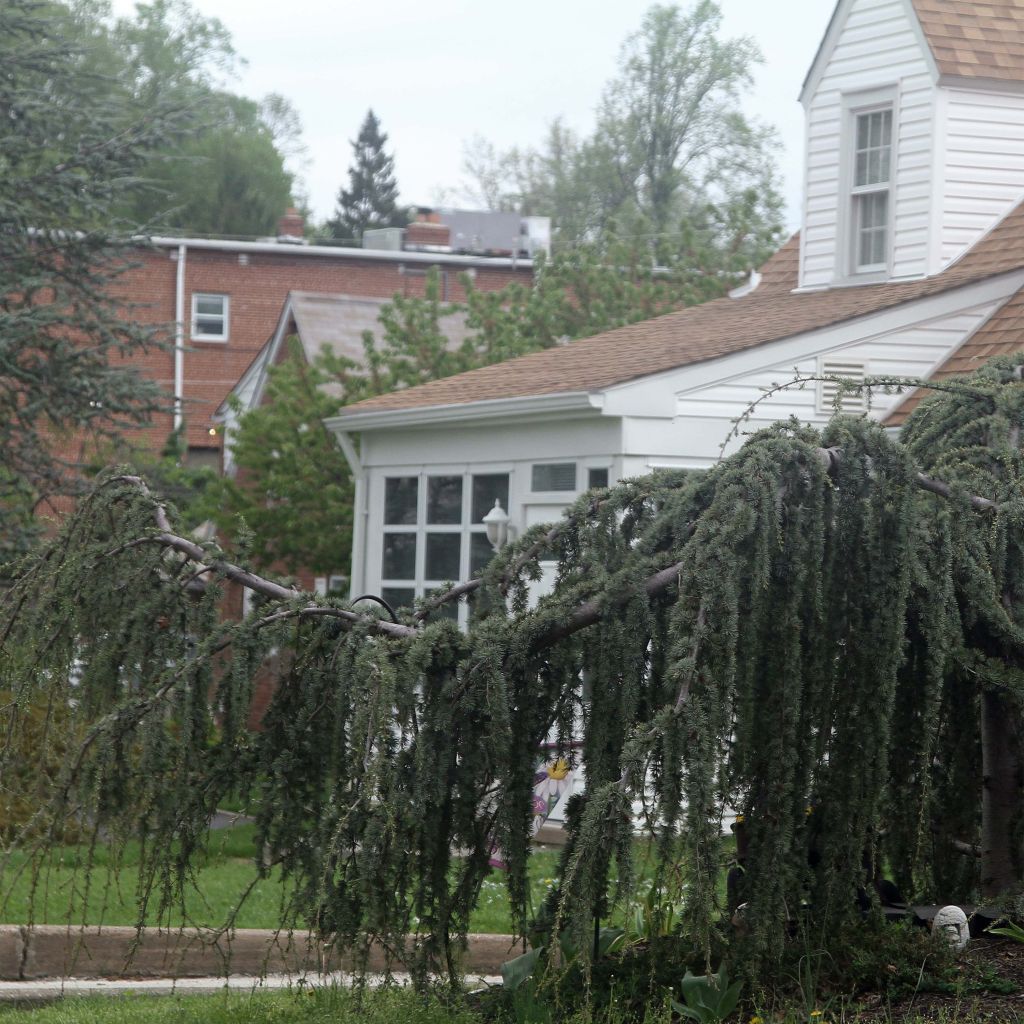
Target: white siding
704, 416
878, 47
984, 165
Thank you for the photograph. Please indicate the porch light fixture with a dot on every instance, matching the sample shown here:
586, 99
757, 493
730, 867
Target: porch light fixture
496, 522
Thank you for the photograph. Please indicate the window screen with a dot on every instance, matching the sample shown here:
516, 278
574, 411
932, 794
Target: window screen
554, 476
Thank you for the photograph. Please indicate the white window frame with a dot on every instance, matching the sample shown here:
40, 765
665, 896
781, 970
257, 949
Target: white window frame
420, 584
198, 335
855, 106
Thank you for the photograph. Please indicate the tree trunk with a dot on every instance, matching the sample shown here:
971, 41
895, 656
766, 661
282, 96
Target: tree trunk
1001, 794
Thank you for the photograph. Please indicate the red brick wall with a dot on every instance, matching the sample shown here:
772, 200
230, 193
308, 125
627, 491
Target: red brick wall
257, 291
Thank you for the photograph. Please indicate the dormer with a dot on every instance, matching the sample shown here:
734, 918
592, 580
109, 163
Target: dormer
914, 137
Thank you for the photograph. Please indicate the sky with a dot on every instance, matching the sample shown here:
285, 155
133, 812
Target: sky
440, 72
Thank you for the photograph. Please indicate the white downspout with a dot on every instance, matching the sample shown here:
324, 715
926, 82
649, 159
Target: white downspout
179, 341
360, 512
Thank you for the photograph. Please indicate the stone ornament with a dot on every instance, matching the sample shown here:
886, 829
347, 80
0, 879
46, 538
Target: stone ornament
950, 923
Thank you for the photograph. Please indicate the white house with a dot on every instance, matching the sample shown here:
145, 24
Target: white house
910, 262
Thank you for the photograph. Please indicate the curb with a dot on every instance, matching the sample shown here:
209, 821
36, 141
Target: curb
52, 989
56, 951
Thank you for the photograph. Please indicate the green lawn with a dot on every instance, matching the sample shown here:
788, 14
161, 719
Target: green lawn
320, 1006
391, 1006
63, 891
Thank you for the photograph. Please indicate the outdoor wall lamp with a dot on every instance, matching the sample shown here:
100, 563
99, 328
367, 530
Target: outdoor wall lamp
496, 522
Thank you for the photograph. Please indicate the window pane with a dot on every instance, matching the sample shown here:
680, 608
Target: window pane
862, 132
886, 127
486, 488
399, 556
449, 610
554, 476
480, 552
210, 304
400, 494
444, 499
875, 129
862, 169
207, 326
399, 597
597, 478
874, 208
443, 551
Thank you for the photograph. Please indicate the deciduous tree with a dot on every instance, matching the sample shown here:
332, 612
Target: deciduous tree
672, 159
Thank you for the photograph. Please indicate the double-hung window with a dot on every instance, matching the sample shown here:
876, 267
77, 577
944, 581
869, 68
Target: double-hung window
434, 531
871, 212
209, 317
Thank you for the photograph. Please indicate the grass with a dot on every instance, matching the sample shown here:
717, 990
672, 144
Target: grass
64, 894
333, 1005
308, 1006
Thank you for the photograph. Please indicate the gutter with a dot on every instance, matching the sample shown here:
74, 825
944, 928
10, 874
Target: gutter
377, 255
567, 403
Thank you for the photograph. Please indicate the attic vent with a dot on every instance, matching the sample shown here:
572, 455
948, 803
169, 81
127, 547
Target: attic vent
828, 389
553, 476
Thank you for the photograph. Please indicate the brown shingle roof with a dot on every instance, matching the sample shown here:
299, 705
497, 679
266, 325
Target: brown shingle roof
709, 331
975, 40
1001, 335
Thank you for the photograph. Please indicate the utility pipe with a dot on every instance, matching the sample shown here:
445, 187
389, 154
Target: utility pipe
179, 340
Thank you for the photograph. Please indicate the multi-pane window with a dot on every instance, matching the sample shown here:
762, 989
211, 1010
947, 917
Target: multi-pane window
872, 176
209, 317
434, 531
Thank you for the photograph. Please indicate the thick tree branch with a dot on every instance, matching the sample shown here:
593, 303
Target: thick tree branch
585, 614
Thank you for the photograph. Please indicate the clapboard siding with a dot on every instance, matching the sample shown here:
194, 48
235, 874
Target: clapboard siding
984, 166
877, 47
909, 352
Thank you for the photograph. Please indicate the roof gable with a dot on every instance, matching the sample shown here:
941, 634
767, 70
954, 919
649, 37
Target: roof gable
831, 38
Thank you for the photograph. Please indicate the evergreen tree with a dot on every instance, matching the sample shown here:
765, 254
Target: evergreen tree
70, 151
372, 194
823, 631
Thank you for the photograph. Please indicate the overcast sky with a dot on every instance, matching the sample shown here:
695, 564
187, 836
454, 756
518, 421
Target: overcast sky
441, 71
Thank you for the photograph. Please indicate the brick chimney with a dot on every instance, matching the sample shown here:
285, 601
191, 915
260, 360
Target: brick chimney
290, 226
427, 233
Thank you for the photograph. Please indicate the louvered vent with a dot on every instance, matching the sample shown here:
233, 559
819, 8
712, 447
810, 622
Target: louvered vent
828, 389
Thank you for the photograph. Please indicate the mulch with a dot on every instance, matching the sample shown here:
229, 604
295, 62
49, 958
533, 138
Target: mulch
989, 988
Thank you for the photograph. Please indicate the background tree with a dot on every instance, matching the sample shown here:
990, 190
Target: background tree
230, 174
672, 159
293, 488
372, 194
70, 150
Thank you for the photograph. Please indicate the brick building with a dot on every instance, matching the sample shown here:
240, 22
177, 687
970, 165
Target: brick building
227, 296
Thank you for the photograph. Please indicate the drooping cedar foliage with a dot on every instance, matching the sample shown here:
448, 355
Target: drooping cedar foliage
811, 624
